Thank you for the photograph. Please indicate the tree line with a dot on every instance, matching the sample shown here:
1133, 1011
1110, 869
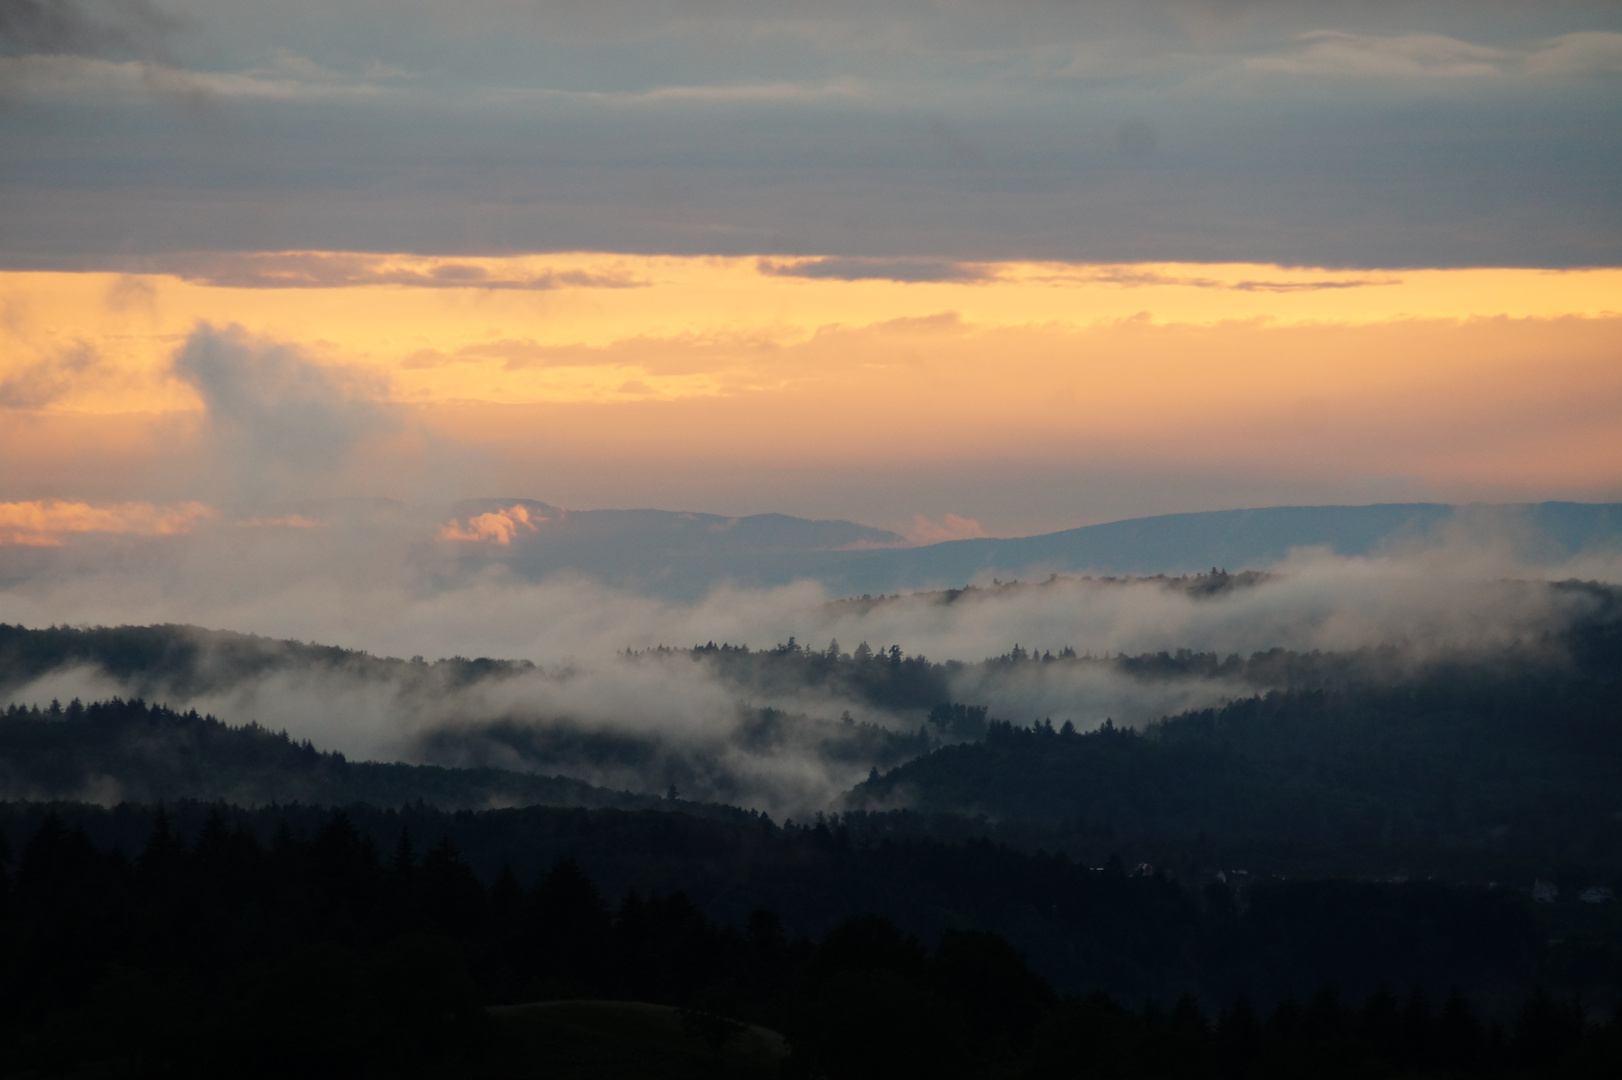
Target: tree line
321, 954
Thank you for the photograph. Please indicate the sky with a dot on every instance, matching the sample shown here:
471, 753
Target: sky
950, 269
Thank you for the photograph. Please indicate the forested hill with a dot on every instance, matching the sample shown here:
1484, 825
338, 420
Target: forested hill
110, 752
1463, 773
184, 661
187, 660
1367, 762
1133, 933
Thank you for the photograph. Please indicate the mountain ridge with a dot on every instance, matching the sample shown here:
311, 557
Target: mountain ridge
1545, 533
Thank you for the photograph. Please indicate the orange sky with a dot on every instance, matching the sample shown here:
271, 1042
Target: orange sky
709, 383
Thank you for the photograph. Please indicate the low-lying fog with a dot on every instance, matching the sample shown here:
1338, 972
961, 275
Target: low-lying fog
642, 722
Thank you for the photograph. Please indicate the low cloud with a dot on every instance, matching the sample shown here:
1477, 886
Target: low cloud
950, 527
1585, 52
336, 270
910, 271
287, 521
497, 527
516, 354
1335, 54
95, 78
278, 424
47, 522
46, 381
83, 27
1143, 277
677, 354
1408, 56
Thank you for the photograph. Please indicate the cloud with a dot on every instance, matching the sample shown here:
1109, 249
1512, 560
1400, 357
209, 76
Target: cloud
909, 270
616, 129
338, 269
1307, 286
1333, 53
746, 93
704, 353
45, 523
498, 527
102, 80
83, 27
278, 424
517, 354
1581, 53
46, 381
287, 521
1138, 276
951, 527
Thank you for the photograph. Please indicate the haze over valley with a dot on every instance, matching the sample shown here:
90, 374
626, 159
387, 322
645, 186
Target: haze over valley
784, 698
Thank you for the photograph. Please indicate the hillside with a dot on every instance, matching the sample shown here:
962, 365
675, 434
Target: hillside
661, 551
128, 751
1229, 539
297, 942
1477, 772
685, 554
188, 660
1495, 765
1134, 934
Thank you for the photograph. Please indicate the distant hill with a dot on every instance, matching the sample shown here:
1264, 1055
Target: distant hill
1229, 539
660, 550
683, 555
557, 529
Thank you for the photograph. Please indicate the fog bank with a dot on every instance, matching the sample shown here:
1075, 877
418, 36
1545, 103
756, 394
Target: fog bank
645, 722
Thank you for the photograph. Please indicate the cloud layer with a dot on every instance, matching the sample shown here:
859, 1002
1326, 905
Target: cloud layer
1435, 133
44, 523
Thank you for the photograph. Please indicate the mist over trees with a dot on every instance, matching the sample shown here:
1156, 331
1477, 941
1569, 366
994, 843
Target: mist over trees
129, 751
1381, 759
1394, 859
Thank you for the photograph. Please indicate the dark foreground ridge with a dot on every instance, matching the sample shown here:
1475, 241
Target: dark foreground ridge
299, 942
